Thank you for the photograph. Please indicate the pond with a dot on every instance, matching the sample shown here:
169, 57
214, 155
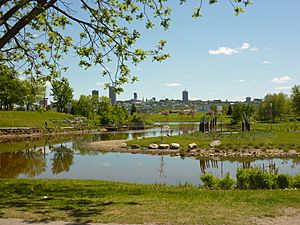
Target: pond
66, 158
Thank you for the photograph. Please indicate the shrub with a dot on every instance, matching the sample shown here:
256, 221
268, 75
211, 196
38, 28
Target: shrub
282, 181
209, 181
226, 183
295, 181
254, 179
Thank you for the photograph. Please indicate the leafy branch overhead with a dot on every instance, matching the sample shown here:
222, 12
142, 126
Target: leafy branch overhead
36, 34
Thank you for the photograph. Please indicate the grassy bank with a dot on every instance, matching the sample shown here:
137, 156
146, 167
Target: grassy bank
236, 141
30, 119
102, 201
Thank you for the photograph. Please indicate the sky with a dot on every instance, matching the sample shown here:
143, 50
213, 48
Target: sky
217, 56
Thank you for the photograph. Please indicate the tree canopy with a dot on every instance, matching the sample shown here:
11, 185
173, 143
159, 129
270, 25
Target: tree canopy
35, 34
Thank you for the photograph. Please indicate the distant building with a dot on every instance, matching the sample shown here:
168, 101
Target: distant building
135, 98
185, 96
112, 95
95, 94
248, 99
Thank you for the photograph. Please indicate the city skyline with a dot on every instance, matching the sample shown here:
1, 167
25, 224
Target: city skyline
218, 56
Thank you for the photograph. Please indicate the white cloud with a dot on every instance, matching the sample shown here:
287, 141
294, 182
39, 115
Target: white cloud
283, 88
281, 80
244, 46
223, 51
100, 84
240, 80
172, 84
139, 69
254, 49
266, 62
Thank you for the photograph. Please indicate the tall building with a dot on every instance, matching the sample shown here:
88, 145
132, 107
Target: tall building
95, 94
185, 96
248, 99
135, 96
112, 95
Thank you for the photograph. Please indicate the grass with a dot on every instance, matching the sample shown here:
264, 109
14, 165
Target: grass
30, 119
253, 139
110, 202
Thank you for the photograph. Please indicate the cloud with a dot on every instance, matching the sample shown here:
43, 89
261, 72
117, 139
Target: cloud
223, 51
172, 84
240, 80
139, 69
100, 84
283, 88
229, 51
281, 80
266, 62
254, 49
244, 46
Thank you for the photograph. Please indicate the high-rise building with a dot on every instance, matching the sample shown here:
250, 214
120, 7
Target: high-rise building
95, 94
185, 96
112, 95
135, 96
248, 99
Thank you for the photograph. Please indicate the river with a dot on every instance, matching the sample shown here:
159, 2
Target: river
66, 158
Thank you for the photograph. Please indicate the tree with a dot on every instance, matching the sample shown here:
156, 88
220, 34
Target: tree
62, 94
239, 110
273, 105
34, 33
32, 92
85, 106
296, 99
9, 88
133, 109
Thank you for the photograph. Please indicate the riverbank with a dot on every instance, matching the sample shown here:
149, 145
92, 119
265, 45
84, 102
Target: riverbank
85, 201
229, 145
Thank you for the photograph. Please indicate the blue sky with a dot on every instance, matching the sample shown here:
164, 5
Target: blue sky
217, 56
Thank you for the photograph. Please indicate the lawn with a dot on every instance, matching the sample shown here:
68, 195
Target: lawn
30, 119
110, 202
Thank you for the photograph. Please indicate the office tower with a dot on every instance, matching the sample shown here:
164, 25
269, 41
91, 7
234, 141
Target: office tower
185, 96
112, 95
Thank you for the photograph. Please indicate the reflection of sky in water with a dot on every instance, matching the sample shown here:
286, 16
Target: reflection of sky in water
69, 160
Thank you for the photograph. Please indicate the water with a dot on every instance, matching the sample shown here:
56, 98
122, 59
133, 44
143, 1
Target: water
68, 159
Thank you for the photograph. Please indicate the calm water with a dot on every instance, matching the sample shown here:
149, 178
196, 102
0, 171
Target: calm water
67, 159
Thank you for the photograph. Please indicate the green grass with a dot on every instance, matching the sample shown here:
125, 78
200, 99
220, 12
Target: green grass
253, 139
109, 202
30, 119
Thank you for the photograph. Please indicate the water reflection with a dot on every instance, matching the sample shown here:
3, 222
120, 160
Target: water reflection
62, 159
66, 158
30, 162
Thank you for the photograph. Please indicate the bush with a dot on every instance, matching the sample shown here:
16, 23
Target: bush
282, 181
214, 183
209, 181
295, 181
226, 183
254, 179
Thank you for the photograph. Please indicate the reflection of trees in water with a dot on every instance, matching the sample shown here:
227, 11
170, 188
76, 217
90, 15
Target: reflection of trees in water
30, 162
206, 164
296, 162
161, 168
62, 159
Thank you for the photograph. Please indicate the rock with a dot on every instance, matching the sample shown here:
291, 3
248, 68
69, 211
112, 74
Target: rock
215, 143
164, 146
135, 146
192, 146
174, 146
153, 146
123, 145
